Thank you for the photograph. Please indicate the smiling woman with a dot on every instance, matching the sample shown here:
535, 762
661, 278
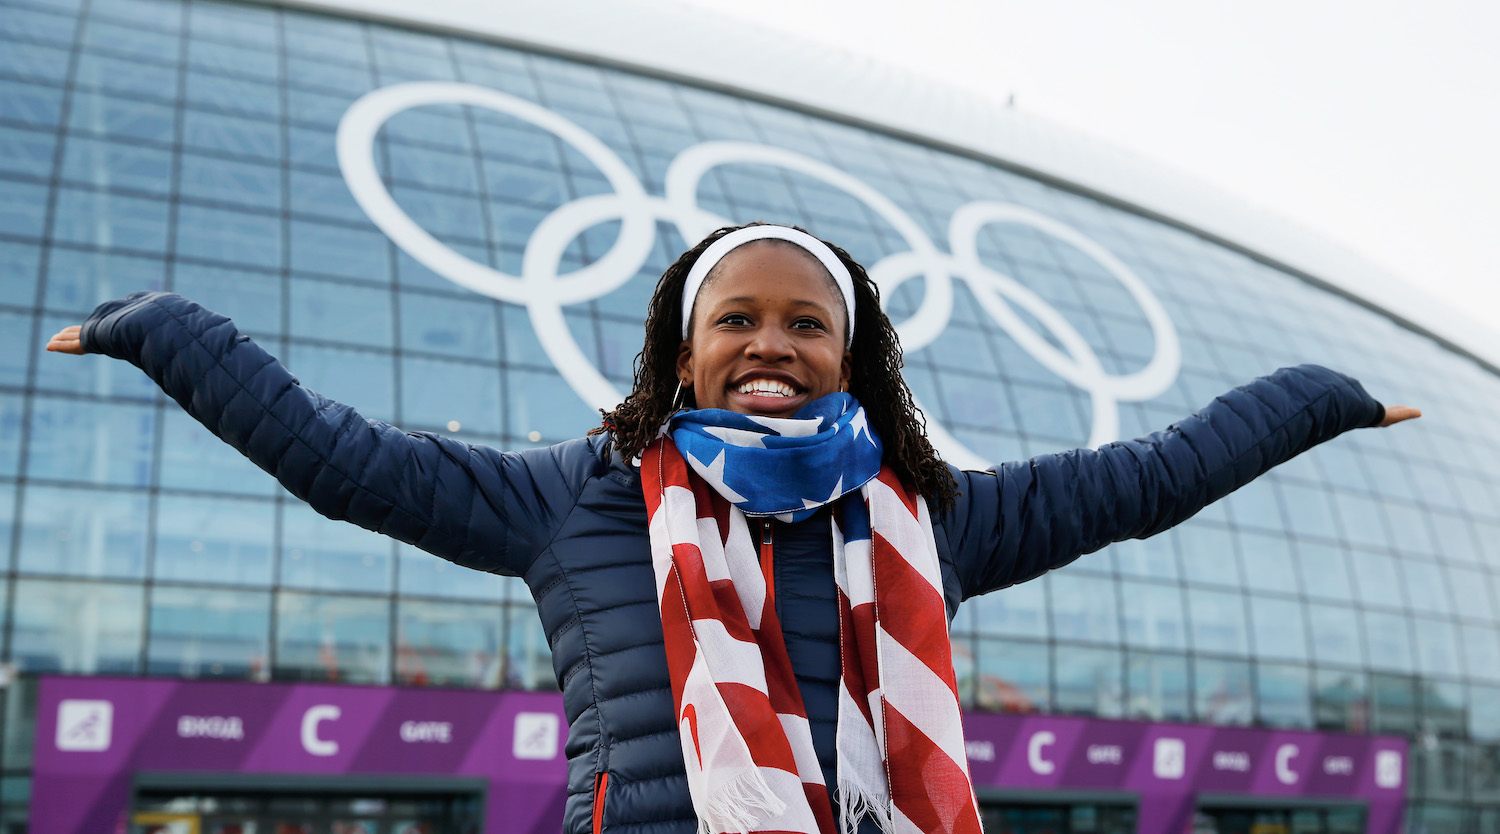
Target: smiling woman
767, 335
746, 574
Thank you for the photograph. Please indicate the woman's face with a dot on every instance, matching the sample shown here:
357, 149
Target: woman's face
767, 334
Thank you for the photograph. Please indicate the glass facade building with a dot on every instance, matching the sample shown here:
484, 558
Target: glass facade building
191, 146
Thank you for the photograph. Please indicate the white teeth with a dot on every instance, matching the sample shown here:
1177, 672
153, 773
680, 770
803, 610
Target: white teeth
766, 388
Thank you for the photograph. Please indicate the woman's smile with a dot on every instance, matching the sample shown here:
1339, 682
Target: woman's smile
767, 335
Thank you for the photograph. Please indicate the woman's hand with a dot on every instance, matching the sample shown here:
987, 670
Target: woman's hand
67, 341
1397, 413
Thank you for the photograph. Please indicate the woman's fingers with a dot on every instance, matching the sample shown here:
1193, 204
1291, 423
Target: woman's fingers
1397, 413
67, 341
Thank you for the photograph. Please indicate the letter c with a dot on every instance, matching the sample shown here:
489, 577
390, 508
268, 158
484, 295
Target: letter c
310, 721
1034, 752
1284, 754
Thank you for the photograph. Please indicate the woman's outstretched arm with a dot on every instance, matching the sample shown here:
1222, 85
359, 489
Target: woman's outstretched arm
1021, 519
469, 504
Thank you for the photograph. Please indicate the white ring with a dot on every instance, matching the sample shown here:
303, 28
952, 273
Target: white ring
545, 292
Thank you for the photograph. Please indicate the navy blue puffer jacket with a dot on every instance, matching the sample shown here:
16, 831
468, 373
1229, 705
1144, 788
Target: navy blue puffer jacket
571, 521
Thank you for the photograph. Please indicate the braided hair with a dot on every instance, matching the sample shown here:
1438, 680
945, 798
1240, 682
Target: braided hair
875, 379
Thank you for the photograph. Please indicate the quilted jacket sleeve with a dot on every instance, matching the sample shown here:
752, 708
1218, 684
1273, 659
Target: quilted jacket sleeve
472, 505
1021, 519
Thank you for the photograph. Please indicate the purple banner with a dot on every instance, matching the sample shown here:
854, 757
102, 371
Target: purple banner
1169, 765
94, 734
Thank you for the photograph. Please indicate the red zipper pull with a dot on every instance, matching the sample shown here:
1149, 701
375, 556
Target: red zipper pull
767, 561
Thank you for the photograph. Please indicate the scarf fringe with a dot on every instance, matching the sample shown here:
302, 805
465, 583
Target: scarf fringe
740, 805
856, 803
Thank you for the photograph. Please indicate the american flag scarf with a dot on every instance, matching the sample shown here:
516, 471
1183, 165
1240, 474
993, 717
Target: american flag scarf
746, 741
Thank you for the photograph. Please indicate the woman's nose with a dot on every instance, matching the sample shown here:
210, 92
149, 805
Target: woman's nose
769, 344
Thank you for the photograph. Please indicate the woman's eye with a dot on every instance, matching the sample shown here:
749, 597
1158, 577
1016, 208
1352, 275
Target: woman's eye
808, 324
735, 319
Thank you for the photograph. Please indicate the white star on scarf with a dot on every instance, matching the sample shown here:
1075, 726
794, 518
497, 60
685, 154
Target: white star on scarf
714, 474
838, 489
738, 437
789, 427
858, 424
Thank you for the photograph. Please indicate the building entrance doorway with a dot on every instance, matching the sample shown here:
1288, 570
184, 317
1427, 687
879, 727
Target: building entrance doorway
1008, 817
1216, 819
263, 808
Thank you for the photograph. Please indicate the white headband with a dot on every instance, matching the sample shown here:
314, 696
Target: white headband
739, 237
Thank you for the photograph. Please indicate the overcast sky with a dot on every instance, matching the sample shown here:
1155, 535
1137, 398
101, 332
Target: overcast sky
1374, 123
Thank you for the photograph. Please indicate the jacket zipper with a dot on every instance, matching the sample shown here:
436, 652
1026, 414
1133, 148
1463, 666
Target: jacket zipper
768, 562
601, 784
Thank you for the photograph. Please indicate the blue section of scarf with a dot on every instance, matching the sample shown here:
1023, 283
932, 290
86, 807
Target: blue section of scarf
785, 467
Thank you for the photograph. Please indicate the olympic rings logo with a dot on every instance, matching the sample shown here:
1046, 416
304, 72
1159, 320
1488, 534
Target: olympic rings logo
544, 291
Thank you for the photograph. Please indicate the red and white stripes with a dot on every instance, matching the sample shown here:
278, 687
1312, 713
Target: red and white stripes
747, 745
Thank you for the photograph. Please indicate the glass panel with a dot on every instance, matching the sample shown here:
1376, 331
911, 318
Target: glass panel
1484, 712
1083, 607
1268, 563
423, 574
323, 554
91, 442
11, 413
1158, 686
1481, 647
1444, 710
1013, 677
83, 532
105, 220
363, 378
1278, 628
464, 328
233, 237
1377, 578
332, 638
19, 266
1437, 647
528, 657
194, 459
1018, 611
1153, 615
7, 522
216, 180
20, 724
329, 312
543, 403
1425, 587
1088, 682
1389, 639
1218, 621
1208, 553
1335, 635
437, 393
228, 134
1222, 692
251, 299
1471, 593
449, 644
223, 540
80, 280
1283, 696
335, 250
1394, 699
85, 628
1341, 701
101, 164
201, 633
